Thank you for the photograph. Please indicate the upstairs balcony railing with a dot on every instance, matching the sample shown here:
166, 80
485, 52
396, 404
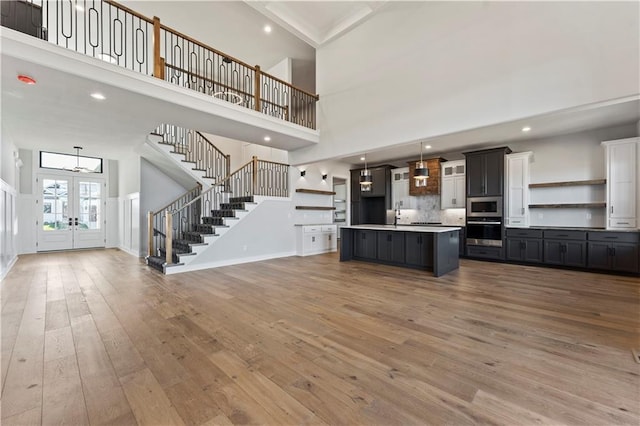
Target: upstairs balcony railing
114, 33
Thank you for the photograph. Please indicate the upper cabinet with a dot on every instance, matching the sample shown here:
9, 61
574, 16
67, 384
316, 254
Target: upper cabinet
485, 172
517, 189
453, 185
622, 159
400, 189
381, 186
433, 183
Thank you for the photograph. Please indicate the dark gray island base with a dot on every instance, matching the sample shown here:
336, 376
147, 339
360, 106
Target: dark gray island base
419, 247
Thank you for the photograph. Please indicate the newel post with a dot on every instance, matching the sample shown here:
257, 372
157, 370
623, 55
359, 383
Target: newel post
257, 88
150, 230
168, 245
254, 174
158, 68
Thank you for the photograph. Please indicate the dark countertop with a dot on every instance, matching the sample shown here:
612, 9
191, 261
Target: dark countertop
569, 228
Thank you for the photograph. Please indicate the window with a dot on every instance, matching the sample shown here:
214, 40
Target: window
70, 162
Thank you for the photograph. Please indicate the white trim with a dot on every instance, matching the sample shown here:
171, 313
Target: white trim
188, 268
6, 272
128, 251
5, 187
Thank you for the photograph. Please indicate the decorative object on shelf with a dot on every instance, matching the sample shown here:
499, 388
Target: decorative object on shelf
303, 173
324, 176
366, 178
421, 173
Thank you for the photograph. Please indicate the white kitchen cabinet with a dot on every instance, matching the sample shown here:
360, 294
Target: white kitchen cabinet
622, 158
400, 189
453, 191
315, 239
517, 189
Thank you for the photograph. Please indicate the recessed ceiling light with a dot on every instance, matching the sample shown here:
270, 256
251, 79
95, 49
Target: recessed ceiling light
526, 129
267, 138
427, 147
108, 58
26, 79
267, 29
80, 8
361, 158
98, 96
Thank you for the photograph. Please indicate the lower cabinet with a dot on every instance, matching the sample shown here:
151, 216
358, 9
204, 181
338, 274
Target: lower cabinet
492, 253
613, 251
524, 245
391, 246
316, 239
418, 249
565, 248
365, 244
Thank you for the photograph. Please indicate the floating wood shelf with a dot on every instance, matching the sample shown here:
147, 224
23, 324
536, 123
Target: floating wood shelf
567, 206
315, 191
568, 183
314, 208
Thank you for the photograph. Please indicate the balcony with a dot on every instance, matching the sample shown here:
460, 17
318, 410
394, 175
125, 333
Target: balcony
111, 32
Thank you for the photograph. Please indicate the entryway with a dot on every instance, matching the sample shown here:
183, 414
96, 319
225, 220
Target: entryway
72, 212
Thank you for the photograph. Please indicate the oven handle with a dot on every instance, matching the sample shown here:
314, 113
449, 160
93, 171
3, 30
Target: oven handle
484, 223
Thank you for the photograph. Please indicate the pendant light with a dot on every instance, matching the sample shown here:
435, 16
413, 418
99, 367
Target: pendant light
365, 178
421, 173
77, 168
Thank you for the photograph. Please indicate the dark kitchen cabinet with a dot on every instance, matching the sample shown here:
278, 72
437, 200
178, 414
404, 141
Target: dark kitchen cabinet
565, 253
524, 245
370, 207
391, 247
485, 172
418, 249
613, 251
381, 186
365, 244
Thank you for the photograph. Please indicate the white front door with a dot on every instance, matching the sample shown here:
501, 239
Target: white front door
72, 212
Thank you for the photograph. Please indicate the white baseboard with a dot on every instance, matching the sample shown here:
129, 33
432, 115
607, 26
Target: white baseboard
129, 251
229, 262
6, 271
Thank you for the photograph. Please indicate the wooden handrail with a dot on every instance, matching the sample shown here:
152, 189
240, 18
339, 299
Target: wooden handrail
316, 96
199, 43
131, 11
167, 206
213, 146
242, 92
272, 162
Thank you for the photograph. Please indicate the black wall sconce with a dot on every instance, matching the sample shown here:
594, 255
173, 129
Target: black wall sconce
324, 176
302, 173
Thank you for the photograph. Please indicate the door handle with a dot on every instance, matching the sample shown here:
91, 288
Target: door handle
523, 210
76, 220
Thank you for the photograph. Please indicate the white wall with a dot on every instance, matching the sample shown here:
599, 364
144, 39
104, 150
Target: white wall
265, 233
233, 28
128, 173
156, 191
242, 152
313, 180
282, 70
424, 69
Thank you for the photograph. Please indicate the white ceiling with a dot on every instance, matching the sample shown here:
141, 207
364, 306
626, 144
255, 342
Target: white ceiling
613, 113
317, 22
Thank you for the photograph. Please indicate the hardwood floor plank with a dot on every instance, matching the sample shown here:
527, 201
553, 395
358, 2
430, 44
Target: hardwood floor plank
103, 393
149, 402
63, 399
23, 383
314, 340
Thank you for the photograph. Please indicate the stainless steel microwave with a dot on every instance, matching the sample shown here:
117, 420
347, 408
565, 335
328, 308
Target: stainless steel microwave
484, 207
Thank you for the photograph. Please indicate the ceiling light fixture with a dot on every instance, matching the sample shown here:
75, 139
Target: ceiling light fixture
421, 173
98, 96
80, 8
303, 173
427, 146
366, 179
267, 29
267, 138
361, 158
108, 58
26, 79
526, 129
77, 168
324, 176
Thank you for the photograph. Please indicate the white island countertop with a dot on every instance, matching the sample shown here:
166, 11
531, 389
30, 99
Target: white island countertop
405, 228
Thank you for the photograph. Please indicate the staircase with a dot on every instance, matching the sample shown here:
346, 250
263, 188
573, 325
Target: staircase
192, 223
203, 233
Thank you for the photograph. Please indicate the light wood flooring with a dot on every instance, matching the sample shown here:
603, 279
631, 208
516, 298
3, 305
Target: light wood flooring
95, 337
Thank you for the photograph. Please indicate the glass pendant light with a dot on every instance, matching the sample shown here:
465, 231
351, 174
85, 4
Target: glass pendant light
365, 178
421, 173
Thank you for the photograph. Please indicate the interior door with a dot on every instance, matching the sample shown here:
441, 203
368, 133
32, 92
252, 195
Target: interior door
72, 212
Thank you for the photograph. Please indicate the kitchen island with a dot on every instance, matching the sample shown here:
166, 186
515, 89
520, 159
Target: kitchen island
420, 247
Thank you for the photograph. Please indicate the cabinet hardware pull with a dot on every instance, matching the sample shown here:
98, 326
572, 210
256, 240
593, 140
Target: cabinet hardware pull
313, 239
613, 251
523, 210
623, 223
612, 209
